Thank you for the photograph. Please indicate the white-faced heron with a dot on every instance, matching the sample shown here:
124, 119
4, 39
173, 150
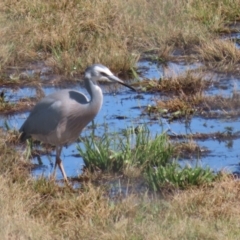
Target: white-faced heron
59, 118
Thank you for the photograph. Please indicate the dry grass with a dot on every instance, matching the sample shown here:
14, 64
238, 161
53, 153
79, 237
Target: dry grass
220, 54
206, 106
215, 15
209, 213
220, 102
16, 223
187, 149
13, 108
183, 103
40, 209
189, 83
69, 35
176, 104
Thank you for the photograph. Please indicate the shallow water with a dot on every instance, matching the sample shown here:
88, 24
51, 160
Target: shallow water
152, 70
123, 108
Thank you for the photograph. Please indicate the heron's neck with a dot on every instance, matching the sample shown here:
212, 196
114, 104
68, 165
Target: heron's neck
95, 93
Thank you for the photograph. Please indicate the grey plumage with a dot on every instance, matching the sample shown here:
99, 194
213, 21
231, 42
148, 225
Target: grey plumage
59, 118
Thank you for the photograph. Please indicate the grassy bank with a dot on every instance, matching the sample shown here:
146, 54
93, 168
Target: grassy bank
40, 209
69, 35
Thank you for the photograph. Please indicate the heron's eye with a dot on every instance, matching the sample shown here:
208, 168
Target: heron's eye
104, 74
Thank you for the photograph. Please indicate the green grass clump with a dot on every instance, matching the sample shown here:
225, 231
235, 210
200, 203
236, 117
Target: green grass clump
114, 153
150, 157
174, 176
98, 154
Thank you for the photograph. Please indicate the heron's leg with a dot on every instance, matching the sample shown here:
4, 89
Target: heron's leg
58, 163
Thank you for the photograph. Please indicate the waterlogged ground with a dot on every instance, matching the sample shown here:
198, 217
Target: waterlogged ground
124, 109
218, 153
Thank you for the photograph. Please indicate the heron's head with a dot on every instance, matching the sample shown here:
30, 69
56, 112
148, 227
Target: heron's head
98, 72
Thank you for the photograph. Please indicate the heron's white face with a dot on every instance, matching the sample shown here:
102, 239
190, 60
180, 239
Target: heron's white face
103, 71
98, 72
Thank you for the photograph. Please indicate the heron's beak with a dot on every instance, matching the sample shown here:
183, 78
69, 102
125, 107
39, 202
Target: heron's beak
116, 79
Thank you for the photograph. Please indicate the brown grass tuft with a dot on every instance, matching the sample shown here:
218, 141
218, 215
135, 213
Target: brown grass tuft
220, 54
187, 149
189, 83
200, 104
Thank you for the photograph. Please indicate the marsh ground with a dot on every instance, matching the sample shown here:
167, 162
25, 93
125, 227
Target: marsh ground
183, 56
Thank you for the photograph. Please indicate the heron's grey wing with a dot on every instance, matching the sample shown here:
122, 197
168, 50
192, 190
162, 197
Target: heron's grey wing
44, 117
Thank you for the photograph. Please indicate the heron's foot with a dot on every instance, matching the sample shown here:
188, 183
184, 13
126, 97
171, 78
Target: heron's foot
65, 181
68, 183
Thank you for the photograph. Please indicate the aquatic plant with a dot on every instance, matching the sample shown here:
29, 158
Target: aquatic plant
134, 148
174, 176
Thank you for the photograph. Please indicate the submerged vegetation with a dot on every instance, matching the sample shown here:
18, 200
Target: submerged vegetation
177, 201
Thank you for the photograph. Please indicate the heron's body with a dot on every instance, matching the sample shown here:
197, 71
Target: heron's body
59, 118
